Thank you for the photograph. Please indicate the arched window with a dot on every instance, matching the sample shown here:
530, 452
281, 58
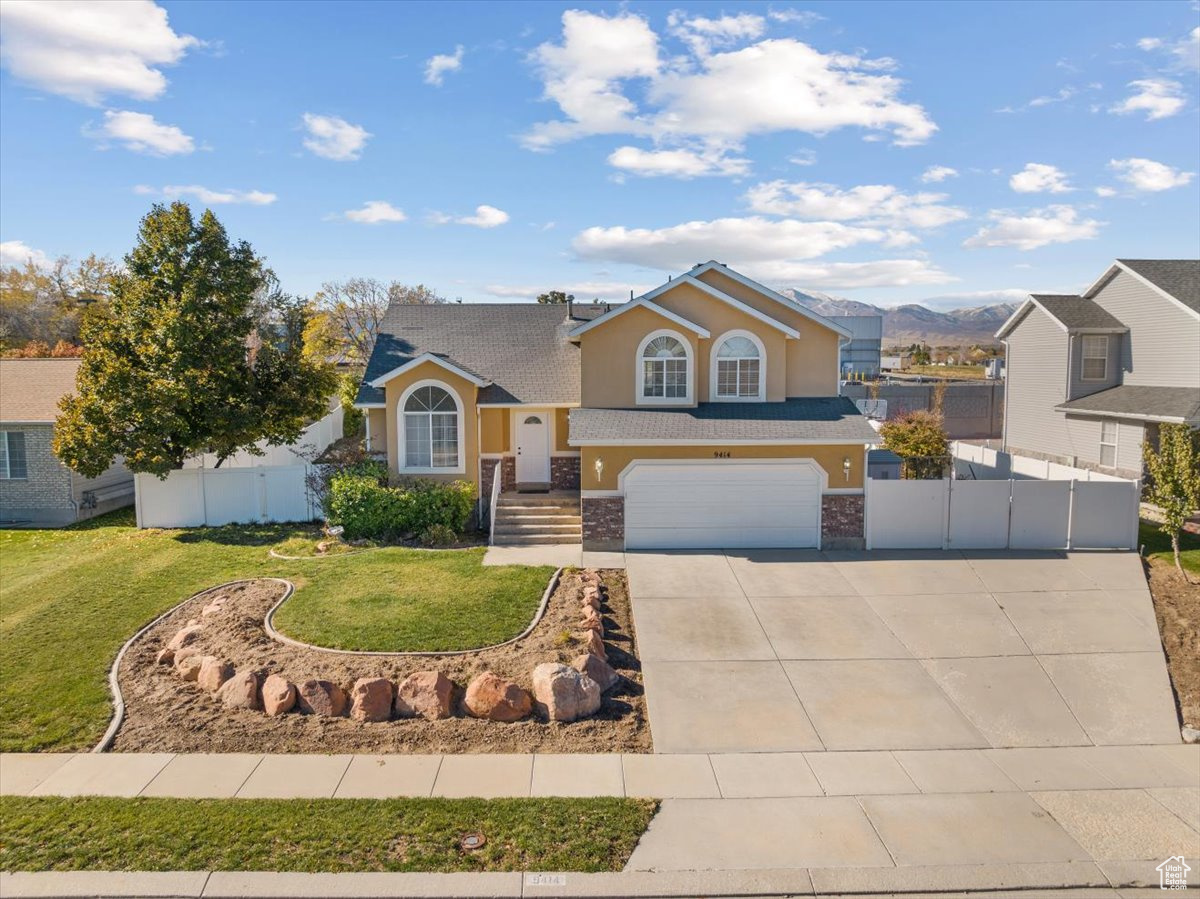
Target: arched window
739, 368
431, 421
664, 373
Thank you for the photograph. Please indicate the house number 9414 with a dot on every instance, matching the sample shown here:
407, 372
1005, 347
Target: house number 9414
722, 454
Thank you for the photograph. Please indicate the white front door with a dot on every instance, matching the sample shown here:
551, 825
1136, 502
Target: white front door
533, 448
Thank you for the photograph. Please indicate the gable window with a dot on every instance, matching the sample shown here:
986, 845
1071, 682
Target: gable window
664, 369
1095, 357
738, 367
431, 428
12, 456
1108, 444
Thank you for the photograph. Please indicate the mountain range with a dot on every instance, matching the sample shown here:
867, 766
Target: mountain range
913, 323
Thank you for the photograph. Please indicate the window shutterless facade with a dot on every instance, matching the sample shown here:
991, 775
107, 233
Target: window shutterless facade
664, 369
13, 465
1095, 357
738, 368
1108, 444
431, 422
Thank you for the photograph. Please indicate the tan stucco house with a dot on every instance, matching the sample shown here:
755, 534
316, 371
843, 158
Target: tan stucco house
704, 413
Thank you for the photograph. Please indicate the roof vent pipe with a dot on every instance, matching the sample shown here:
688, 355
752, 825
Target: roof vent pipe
570, 307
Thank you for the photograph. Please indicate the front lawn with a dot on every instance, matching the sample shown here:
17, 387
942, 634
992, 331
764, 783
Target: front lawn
336, 835
69, 599
1158, 546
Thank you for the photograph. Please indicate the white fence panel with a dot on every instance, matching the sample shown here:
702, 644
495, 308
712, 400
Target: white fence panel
906, 514
192, 497
1104, 515
1040, 514
313, 439
979, 514
1026, 468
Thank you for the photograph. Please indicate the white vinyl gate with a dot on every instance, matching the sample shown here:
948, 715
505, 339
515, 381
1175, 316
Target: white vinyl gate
950, 514
192, 497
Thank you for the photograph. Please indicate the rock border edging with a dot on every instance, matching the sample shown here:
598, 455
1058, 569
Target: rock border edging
269, 628
114, 684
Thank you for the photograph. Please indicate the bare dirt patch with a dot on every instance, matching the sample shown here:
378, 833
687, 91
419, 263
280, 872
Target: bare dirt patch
163, 713
1177, 607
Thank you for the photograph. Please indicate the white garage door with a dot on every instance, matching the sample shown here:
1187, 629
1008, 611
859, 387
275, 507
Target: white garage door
723, 504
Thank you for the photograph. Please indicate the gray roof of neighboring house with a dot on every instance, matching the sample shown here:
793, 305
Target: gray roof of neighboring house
31, 388
522, 348
1077, 313
832, 418
1178, 277
1140, 402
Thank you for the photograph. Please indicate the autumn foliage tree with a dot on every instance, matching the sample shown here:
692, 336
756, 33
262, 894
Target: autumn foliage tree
919, 438
1173, 482
197, 351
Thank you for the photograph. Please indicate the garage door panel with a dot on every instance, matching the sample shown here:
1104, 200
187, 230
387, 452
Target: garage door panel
713, 505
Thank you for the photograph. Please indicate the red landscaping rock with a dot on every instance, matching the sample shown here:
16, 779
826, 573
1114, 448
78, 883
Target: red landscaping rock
213, 673
591, 621
496, 699
591, 600
595, 645
425, 693
165, 656
185, 636
278, 695
241, 691
320, 697
598, 670
371, 699
564, 694
189, 666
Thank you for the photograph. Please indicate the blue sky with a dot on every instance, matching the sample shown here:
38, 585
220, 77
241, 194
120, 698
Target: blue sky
955, 153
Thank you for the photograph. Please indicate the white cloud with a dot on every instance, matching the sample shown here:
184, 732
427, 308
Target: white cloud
795, 16
583, 291
375, 212
1038, 178
331, 137
1038, 228
717, 98
872, 204
702, 34
139, 132
748, 240
974, 298
938, 173
207, 196
849, 275
17, 252
437, 66
1106, 191
803, 157
485, 217
89, 49
1148, 175
1182, 54
1149, 43
677, 163
1159, 98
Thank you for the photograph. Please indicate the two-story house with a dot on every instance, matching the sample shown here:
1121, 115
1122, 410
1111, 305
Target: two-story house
1090, 377
704, 413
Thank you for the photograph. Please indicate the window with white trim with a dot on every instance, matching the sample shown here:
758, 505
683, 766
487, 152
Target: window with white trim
665, 374
13, 466
431, 429
1095, 357
738, 369
1108, 444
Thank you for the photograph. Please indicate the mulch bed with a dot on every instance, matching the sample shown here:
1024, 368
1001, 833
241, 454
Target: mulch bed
164, 713
1177, 607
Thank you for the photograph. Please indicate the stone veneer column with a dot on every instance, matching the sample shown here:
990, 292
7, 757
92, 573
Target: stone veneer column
564, 472
842, 521
603, 523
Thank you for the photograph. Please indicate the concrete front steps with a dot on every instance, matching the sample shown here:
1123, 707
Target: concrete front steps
533, 519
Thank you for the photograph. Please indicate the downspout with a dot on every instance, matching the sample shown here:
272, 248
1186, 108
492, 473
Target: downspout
1007, 397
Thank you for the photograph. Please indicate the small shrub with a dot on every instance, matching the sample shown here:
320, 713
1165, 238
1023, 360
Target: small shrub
438, 535
364, 507
920, 439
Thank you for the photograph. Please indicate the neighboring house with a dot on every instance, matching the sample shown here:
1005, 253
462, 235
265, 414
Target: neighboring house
704, 413
895, 362
862, 353
35, 488
1091, 377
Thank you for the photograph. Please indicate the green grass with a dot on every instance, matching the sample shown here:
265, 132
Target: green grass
948, 371
56, 834
307, 547
69, 599
1158, 546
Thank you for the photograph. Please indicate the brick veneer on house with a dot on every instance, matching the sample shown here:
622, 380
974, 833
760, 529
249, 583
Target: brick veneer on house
508, 476
842, 521
564, 472
604, 523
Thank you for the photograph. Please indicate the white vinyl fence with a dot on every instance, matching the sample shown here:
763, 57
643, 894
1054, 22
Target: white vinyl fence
1008, 514
981, 463
192, 497
313, 440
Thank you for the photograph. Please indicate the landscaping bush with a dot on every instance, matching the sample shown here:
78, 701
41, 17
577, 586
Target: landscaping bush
438, 535
367, 509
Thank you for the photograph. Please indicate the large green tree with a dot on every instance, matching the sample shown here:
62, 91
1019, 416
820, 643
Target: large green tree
1173, 482
197, 351
919, 438
555, 297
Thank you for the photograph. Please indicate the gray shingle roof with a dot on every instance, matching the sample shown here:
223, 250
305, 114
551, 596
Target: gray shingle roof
1077, 313
1178, 277
522, 348
833, 418
1141, 402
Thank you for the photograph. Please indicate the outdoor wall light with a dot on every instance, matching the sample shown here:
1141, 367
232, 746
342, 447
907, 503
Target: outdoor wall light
599, 466
846, 467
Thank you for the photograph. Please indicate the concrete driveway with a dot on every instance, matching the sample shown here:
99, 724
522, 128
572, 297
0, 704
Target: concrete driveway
780, 651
